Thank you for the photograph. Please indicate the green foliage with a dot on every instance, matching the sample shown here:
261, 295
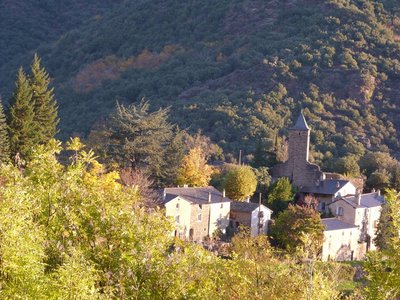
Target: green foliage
73, 232
348, 165
45, 109
237, 80
263, 180
385, 230
137, 138
280, 194
4, 138
299, 231
240, 182
383, 267
21, 118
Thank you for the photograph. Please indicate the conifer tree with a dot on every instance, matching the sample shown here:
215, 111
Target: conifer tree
45, 109
4, 139
21, 118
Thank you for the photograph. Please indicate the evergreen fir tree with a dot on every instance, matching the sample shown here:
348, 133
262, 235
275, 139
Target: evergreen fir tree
21, 118
4, 139
45, 109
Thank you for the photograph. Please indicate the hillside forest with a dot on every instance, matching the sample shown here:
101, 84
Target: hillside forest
103, 103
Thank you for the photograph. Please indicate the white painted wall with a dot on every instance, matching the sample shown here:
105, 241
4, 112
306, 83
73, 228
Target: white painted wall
184, 213
347, 189
264, 221
335, 241
219, 216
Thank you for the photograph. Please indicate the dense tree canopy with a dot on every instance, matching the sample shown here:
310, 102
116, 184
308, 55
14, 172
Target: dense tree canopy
137, 138
280, 194
299, 230
239, 182
21, 118
194, 170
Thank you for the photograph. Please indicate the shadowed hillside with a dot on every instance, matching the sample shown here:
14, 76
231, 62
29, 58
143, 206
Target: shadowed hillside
238, 70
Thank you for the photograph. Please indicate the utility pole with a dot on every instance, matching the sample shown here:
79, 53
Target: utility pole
240, 157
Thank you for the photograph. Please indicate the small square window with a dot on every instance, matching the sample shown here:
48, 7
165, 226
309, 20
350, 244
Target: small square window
199, 217
222, 205
177, 205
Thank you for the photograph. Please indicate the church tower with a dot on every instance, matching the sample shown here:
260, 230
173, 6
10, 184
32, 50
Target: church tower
297, 168
299, 140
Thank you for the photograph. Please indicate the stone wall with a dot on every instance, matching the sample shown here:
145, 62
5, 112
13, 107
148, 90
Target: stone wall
199, 227
297, 168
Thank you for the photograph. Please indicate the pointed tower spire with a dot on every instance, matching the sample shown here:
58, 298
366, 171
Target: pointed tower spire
301, 123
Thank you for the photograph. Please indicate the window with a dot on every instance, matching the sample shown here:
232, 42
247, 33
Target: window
177, 219
177, 206
339, 211
222, 205
199, 217
261, 214
323, 206
200, 206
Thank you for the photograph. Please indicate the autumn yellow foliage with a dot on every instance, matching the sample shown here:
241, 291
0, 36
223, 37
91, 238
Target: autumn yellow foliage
194, 170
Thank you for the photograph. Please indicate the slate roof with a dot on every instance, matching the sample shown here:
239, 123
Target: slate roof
326, 187
335, 224
301, 123
195, 195
367, 200
245, 206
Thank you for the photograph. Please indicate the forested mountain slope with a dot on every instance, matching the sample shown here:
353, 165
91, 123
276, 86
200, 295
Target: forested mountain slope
239, 70
27, 25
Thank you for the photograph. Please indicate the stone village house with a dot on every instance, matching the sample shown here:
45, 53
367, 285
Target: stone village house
350, 233
200, 212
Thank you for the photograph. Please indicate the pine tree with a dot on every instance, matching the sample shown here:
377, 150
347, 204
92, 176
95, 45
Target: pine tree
21, 118
45, 109
4, 139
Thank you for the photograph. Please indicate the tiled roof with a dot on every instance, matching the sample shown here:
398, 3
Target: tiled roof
367, 200
195, 195
301, 123
326, 187
335, 224
245, 206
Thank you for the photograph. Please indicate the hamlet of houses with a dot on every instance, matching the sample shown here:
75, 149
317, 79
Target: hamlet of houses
348, 234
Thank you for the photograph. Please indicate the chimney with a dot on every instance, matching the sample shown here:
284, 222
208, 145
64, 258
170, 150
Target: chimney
378, 193
248, 199
337, 184
209, 197
164, 194
223, 193
373, 190
358, 198
185, 185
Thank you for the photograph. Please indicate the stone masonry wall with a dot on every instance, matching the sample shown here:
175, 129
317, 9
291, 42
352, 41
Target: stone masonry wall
297, 168
200, 228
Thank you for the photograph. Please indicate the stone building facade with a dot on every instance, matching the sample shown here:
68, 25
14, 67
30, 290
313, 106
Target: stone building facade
198, 212
297, 168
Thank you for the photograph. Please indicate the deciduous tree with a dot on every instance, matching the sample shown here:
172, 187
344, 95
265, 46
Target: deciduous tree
280, 194
240, 182
299, 230
194, 170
